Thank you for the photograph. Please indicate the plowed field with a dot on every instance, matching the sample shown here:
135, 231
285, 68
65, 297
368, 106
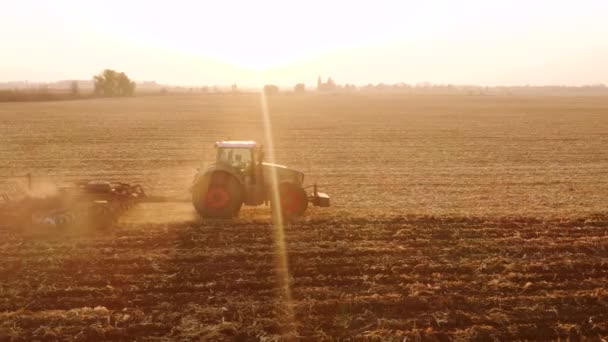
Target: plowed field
385, 278
454, 218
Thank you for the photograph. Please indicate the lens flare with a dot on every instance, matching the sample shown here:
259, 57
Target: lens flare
278, 226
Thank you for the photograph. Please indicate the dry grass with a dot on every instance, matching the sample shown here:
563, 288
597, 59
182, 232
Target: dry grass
34, 95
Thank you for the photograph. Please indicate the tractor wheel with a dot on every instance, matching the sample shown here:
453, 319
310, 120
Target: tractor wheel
294, 200
218, 195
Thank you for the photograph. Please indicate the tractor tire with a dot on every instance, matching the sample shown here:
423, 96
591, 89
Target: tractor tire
218, 195
294, 200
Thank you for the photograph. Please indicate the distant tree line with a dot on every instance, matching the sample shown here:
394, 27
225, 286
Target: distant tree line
330, 86
112, 83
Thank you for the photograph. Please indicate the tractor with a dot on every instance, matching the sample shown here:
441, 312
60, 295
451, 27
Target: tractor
240, 176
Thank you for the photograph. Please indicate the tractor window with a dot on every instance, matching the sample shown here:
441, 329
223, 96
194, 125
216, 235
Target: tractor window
239, 158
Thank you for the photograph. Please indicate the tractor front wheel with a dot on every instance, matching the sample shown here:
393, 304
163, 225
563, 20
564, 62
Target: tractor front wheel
217, 195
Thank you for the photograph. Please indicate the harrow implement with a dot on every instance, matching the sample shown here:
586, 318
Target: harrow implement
97, 203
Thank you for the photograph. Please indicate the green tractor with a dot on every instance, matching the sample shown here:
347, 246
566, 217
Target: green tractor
240, 176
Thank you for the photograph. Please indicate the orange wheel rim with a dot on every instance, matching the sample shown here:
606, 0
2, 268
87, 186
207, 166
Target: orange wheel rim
217, 198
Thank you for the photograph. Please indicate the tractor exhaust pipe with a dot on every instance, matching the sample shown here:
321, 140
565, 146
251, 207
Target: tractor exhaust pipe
318, 199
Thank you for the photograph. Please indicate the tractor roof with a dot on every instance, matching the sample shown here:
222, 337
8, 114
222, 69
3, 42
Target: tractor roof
236, 144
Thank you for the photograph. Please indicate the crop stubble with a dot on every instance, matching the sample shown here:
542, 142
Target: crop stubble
464, 155
455, 217
392, 277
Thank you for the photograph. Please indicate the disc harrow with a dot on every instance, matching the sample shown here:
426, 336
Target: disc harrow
96, 203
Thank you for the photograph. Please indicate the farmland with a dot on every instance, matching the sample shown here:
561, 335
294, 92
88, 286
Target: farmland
385, 154
454, 217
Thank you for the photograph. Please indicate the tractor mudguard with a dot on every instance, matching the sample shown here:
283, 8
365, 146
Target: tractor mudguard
214, 168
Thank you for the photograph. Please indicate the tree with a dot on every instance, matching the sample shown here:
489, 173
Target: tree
112, 83
74, 88
300, 88
330, 85
271, 89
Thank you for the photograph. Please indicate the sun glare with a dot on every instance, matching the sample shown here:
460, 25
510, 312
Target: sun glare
278, 224
355, 42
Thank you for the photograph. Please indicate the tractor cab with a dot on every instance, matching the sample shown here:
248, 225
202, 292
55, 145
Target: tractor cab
244, 157
236, 154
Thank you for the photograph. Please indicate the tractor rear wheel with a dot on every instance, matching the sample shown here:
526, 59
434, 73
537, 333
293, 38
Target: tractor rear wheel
294, 200
217, 195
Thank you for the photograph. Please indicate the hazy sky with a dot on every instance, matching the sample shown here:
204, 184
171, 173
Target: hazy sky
286, 42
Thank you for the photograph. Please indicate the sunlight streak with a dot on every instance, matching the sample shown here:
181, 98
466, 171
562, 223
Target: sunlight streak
278, 226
